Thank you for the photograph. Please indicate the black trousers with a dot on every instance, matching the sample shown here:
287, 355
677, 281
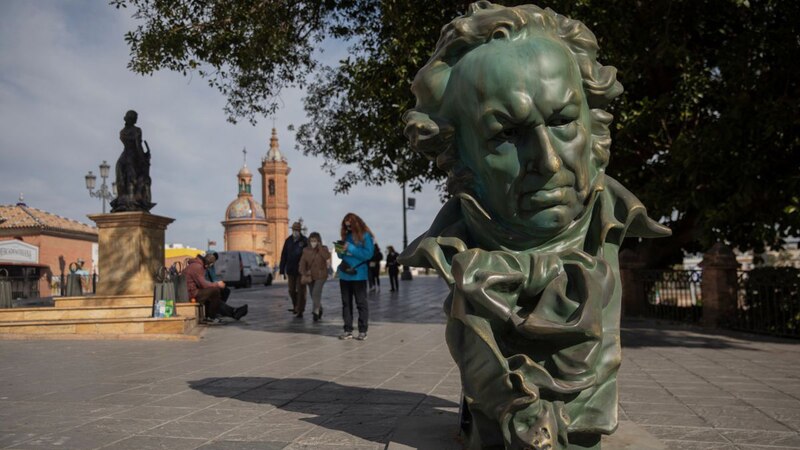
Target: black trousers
393, 272
357, 290
375, 276
211, 299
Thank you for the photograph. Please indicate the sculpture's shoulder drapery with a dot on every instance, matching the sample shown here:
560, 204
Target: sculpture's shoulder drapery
616, 214
536, 332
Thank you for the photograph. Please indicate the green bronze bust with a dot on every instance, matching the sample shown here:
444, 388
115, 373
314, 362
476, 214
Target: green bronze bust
510, 105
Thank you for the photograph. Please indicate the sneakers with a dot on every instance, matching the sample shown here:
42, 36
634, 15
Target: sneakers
240, 312
346, 336
361, 337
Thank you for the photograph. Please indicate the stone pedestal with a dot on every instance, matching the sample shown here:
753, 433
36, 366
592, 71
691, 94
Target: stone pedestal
131, 251
718, 285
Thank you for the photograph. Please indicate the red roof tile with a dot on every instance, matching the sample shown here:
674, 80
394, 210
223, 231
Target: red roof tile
23, 216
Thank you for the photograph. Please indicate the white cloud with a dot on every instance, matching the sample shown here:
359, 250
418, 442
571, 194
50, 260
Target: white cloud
64, 88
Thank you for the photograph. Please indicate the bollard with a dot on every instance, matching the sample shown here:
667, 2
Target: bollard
5, 289
74, 288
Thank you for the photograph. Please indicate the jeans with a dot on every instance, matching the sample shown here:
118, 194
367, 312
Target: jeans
315, 289
297, 292
357, 289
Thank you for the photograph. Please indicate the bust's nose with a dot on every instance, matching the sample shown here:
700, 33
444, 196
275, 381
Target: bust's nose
540, 154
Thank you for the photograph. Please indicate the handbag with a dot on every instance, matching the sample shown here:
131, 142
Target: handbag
306, 279
163, 294
349, 270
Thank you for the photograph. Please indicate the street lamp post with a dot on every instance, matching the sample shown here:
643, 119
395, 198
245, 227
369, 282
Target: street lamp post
103, 193
409, 204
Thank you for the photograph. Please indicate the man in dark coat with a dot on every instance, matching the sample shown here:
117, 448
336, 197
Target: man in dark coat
290, 266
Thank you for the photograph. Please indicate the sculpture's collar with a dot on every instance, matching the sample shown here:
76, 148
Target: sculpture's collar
491, 234
610, 215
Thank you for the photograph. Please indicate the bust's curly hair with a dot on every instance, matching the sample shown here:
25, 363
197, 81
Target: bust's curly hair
432, 135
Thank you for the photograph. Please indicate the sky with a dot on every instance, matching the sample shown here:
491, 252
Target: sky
64, 89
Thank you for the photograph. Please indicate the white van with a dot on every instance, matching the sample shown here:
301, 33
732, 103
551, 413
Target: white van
243, 269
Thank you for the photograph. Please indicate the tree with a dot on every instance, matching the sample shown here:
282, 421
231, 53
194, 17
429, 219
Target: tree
706, 134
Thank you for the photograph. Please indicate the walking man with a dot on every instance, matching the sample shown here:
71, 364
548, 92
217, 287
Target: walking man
290, 266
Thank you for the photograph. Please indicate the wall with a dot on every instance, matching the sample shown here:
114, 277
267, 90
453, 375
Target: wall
53, 247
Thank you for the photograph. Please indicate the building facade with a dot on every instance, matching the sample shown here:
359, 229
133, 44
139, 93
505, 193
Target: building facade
37, 246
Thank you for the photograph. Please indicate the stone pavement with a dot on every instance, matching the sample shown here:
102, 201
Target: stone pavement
273, 382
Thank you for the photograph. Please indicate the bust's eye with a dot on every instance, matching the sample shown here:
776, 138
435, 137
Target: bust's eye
506, 134
560, 121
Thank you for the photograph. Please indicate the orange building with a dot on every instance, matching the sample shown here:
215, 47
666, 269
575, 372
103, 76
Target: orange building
245, 224
261, 228
38, 245
274, 172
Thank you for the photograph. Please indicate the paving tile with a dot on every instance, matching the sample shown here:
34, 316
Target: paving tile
771, 438
274, 382
153, 412
123, 426
77, 440
217, 415
155, 443
688, 445
183, 429
680, 433
240, 445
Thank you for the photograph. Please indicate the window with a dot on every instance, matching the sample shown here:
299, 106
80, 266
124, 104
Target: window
271, 187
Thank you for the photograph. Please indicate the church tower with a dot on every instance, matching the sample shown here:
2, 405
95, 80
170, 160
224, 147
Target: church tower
245, 225
275, 194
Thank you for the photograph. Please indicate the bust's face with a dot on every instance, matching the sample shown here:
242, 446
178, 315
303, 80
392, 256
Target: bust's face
524, 128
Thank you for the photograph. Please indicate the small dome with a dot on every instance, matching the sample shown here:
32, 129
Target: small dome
244, 208
245, 172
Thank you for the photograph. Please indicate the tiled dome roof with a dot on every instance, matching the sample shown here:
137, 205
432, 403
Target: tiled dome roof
244, 207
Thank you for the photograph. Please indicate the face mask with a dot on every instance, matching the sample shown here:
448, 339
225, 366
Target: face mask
314, 244
295, 234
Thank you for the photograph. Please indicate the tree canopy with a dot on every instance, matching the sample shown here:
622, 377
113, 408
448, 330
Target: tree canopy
706, 133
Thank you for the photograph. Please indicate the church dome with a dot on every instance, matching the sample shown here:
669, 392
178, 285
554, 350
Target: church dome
245, 207
245, 172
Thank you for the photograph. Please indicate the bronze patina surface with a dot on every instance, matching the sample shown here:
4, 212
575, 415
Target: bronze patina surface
510, 105
132, 170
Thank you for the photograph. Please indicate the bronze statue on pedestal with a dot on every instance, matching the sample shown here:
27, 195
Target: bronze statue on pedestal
132, 170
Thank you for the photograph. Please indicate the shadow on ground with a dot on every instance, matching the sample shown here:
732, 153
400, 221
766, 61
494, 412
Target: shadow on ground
645, 333
367, 413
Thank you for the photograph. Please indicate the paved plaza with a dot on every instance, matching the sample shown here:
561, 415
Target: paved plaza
274, 382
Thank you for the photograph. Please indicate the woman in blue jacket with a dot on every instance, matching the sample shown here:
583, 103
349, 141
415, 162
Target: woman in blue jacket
355, 249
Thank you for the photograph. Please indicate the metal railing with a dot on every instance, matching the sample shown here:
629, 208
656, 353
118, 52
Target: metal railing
673, 295
768, 302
